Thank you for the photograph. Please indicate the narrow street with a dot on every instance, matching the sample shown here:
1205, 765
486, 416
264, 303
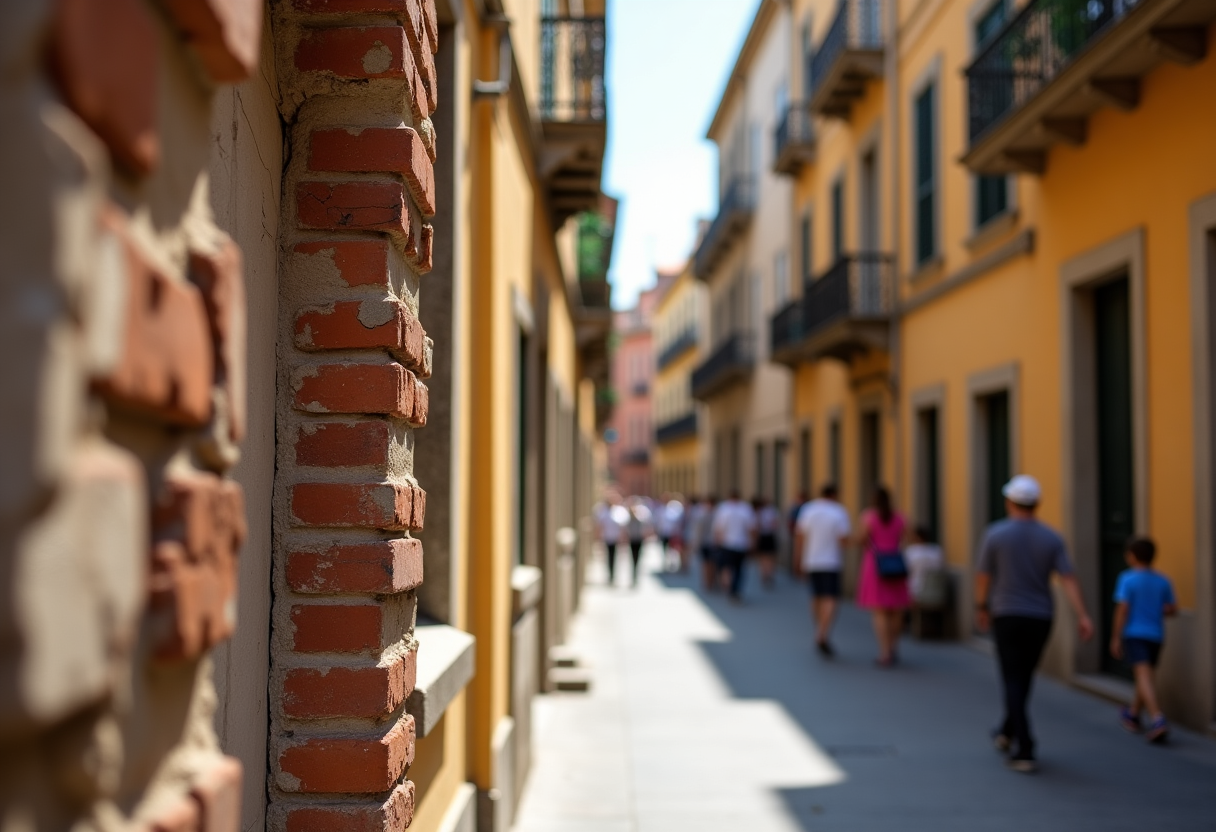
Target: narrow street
703, 716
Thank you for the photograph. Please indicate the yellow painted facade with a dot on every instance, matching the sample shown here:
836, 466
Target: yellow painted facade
679, 324
994, 330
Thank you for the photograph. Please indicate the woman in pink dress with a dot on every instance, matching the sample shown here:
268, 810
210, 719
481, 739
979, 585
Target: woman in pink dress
882, 531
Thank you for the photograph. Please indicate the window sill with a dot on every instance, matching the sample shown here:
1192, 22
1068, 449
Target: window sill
993, 229
933, 267
445, 667
526, 589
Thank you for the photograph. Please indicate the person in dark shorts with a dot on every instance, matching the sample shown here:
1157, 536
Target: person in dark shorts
820, 536
1013, 596
1144, 597
768, 520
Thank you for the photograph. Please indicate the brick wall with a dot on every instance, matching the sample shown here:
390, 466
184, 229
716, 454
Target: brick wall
358, 84
122, 314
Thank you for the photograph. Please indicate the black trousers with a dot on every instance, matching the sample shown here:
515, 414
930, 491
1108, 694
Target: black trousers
1019, 646
611, 547
732, 559
635, 551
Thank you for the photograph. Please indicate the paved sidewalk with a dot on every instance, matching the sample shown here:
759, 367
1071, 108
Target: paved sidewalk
708, 717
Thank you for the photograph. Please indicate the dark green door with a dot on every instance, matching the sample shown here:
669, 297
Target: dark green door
1116, 490
998, 456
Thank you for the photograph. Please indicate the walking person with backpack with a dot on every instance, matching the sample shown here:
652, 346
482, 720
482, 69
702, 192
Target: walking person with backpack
1013, 597
883, 585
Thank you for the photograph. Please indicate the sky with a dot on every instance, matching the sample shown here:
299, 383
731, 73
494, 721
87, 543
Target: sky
668, 62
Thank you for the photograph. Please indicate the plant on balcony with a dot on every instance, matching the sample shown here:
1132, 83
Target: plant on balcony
594, 246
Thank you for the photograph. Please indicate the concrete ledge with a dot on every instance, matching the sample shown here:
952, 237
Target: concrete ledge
527, 587
445, 666
461, 815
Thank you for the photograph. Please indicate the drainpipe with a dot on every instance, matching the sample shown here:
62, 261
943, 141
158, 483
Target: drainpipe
891, 74
483, 90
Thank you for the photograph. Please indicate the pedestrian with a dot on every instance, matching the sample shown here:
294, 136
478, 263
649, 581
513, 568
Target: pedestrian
791, 522
883, 585
691, 532
734, 528
709, 550
611, 519
1013, 597
668, 517
925, 559
820, 535
768, 520
639, 527
1143, 598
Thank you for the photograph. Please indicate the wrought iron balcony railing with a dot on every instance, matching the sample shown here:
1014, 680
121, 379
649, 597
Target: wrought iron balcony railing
684, 342
1033, 49
732, 361
734, 213
794, 139
681, 428
858, 291
850, 53
572, 87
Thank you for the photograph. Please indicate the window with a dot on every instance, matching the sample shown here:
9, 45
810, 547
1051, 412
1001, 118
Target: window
834, 452
805, 246
804, 462
760, 470
991, 192
781, 279
871, 454
928, 507
926, 175
838, 220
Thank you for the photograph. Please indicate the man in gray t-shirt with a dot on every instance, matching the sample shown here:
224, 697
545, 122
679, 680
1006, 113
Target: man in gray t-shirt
1013, 595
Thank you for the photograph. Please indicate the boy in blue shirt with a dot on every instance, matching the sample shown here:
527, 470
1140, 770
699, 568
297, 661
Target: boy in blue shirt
1144, 598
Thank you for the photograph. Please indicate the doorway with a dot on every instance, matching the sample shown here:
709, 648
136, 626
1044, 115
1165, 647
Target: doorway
871, 455
998, 464
928, 491
1116, 469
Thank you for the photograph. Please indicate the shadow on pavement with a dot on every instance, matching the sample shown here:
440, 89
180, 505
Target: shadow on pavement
913, 741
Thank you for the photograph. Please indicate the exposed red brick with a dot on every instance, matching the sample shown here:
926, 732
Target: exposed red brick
413, 344
181, 814
431, 18
351, 765
416, 97
325, 628
364, 52
220, 276
359, 505
385, 567
224, 34
420, 41
343, 444
217, 789
352, 6
354, 692
393, 815
199, 526
105, 56
420, 249
356, 388
167, 365
364, 324
353, 206
422, 405
359, 262
378, 150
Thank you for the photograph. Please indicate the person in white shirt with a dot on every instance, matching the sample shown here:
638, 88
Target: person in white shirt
639, 526
924, 559
668, 520
820, 535
734, 531
611, 519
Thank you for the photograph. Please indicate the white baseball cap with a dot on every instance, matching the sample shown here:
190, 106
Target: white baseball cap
1024, 490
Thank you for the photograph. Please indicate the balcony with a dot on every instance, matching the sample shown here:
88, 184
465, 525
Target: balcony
683, 428
573, 112
734, 214
1036, 83
850, 55
794, 140
844, 313
687, 340
731, 363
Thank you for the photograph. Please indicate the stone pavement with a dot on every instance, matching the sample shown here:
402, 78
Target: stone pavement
705, 717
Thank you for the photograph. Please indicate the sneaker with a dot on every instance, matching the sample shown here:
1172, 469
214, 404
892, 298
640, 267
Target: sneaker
1001, 742
1130, 721
1023, 765
1158, 730
825, 649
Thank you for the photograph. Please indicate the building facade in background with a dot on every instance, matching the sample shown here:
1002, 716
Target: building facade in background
630, 455
1000, 271
743, 259
301, 286
679, 323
